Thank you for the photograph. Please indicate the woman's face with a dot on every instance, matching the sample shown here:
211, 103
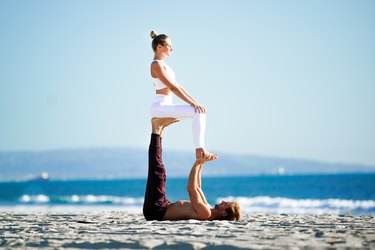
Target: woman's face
166, 49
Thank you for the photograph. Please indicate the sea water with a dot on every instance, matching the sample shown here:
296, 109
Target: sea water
352, 194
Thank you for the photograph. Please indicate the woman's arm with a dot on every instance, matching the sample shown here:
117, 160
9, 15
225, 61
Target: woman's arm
158, 70
186, 93
198, 106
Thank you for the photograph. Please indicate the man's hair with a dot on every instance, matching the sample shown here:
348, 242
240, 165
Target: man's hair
233, 212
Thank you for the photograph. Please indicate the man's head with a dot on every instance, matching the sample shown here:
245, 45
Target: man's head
227, 211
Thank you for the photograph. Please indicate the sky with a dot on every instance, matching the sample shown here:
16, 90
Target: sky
278, 78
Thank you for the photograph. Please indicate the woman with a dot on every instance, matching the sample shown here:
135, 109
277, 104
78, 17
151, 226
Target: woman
165, 84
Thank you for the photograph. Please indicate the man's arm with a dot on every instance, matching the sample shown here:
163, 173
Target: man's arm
197, 208
197, 198
200, 184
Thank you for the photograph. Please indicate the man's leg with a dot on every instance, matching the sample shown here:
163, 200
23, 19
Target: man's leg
155, 202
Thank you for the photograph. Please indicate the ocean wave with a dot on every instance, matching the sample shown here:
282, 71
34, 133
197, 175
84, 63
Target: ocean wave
250, 205
68, 208
278, 205
80, 199
40, 198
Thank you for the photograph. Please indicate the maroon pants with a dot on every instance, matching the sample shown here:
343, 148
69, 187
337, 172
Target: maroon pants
155, 203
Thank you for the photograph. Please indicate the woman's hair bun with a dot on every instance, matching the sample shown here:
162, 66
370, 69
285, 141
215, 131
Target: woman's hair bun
153, 34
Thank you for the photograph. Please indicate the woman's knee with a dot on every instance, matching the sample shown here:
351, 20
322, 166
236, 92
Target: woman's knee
200, 115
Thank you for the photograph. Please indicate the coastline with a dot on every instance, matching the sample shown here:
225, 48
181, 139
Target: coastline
129, 230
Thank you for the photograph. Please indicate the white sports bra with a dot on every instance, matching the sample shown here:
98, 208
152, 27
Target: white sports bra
159, 84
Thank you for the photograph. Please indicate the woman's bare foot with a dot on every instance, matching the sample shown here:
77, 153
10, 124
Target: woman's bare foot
158, 124
203, 154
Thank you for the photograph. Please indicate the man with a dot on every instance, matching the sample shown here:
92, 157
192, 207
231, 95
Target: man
157, 207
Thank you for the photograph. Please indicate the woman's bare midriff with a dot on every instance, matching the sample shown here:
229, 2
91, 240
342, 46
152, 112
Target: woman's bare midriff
165, 91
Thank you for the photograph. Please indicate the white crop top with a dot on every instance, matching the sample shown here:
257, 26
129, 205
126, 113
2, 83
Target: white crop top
159, 84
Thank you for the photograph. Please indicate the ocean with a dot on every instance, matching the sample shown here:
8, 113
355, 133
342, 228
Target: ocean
352, 194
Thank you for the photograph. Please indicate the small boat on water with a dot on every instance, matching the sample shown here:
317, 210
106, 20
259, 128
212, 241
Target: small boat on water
42, 177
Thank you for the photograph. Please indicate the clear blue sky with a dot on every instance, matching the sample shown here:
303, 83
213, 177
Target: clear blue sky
279, 78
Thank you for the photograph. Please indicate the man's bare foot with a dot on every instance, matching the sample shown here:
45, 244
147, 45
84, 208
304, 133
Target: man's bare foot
158, 124
203, 154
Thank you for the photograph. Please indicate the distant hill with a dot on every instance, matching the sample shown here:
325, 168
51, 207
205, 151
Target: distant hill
114, 163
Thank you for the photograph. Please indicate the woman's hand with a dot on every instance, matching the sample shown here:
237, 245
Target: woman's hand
198, 107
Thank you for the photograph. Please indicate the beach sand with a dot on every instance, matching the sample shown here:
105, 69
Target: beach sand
95, 230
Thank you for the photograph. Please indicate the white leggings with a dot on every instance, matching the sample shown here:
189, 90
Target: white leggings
163, 107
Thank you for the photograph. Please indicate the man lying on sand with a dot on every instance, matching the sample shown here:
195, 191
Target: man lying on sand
157, 207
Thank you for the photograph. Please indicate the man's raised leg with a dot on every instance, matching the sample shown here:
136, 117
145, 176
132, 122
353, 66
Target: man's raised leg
155, 203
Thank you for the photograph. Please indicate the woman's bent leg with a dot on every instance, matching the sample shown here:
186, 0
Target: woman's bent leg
184, 112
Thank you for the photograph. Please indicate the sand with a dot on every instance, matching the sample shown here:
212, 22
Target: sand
127, 230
